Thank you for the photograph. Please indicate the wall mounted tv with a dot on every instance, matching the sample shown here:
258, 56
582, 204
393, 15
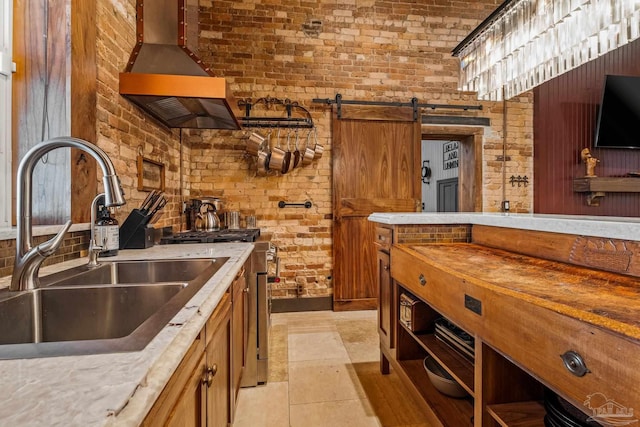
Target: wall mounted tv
618, 124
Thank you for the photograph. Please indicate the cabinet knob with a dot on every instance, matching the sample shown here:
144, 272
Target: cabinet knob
423, 280
574, 363
209, 373
386, 267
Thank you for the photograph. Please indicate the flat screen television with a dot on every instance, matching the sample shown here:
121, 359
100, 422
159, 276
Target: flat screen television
618, 124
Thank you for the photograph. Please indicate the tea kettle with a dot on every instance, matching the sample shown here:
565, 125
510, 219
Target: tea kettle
207, 219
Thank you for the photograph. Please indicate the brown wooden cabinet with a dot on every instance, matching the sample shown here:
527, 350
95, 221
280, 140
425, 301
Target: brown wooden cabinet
181, 403
240, 333
200, 393
217, 379
522, 321
386, 296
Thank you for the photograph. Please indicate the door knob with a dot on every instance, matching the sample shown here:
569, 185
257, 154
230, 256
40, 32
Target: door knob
209, 373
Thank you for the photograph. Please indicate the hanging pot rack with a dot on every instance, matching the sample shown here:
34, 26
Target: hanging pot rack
292, 109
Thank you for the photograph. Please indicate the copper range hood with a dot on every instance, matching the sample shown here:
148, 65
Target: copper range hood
166, 78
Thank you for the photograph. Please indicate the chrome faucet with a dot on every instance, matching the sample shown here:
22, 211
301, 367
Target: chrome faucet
30, 258
94, 247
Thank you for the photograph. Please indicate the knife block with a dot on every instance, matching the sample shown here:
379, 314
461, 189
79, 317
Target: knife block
134, 232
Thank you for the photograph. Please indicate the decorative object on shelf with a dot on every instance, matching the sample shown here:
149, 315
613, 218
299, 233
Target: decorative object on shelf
520, 180
525, 43
589, 162
283, 204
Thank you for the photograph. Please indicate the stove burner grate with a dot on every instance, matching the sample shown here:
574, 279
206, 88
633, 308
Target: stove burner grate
240, 235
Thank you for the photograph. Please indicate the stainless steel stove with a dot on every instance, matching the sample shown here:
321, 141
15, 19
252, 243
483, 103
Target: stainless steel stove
263, 270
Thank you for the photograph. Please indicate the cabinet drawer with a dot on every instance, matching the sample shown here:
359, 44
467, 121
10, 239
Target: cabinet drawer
384, 238
536, 338
532, 336
444, 292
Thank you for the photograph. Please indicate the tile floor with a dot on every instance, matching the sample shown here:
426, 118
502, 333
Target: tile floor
324, 372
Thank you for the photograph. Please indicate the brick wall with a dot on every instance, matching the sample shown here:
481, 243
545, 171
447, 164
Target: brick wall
124, 131
432, 233
364, 49
73, 246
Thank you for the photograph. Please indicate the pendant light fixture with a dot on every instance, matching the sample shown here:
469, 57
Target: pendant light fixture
524, 43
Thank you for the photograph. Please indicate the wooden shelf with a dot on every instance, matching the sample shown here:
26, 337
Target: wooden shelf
454, 412
609, 185
599, 186
519, 414
460, 368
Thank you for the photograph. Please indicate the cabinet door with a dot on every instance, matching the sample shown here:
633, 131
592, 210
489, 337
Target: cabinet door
385, 301
189, 410
239, 327
218, 358
181, 403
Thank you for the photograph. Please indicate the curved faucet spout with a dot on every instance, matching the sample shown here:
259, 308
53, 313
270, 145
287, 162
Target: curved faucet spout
29, 258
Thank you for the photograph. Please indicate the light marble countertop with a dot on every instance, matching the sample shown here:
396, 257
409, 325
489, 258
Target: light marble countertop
596, 226
114, 389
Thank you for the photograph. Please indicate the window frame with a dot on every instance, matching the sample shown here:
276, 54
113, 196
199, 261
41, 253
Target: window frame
7, 67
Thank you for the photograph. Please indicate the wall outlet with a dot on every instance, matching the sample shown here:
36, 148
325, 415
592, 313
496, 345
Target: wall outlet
505, 206
300, 289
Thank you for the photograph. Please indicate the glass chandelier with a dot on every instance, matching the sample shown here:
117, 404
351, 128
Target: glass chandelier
527, 42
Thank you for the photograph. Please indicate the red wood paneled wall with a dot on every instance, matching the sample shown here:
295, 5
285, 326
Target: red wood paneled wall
564, 123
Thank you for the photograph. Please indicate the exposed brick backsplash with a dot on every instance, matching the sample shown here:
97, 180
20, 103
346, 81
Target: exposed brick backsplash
435, 233
373, 50
73, 246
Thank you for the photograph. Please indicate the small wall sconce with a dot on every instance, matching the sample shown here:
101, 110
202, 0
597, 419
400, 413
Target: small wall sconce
426, 172
521, 180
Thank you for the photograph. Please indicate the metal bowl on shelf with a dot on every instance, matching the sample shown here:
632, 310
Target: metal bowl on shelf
441, 379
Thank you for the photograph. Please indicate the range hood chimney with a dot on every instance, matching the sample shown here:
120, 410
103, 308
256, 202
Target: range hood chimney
166, 78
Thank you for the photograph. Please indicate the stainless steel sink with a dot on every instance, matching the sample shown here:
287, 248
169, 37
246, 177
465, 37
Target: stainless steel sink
128, 272
119, 306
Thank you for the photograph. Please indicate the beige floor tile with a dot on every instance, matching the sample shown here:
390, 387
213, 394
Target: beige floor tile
362, 352
316, 346
358, 331
354, 315
302, 318
278, 354
295, 328
345, 413
263, 406
324, 372
322, 381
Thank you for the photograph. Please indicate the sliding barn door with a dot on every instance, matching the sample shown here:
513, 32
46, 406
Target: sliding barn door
376, 168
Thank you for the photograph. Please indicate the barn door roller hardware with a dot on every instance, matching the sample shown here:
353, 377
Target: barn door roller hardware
292, 114
413, 104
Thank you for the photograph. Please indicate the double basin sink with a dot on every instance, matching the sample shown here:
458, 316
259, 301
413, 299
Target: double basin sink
115, 307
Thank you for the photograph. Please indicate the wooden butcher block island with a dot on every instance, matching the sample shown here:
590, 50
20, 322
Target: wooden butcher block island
544, 316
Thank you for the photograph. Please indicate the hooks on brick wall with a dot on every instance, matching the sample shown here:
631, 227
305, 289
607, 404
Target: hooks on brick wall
520, 180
